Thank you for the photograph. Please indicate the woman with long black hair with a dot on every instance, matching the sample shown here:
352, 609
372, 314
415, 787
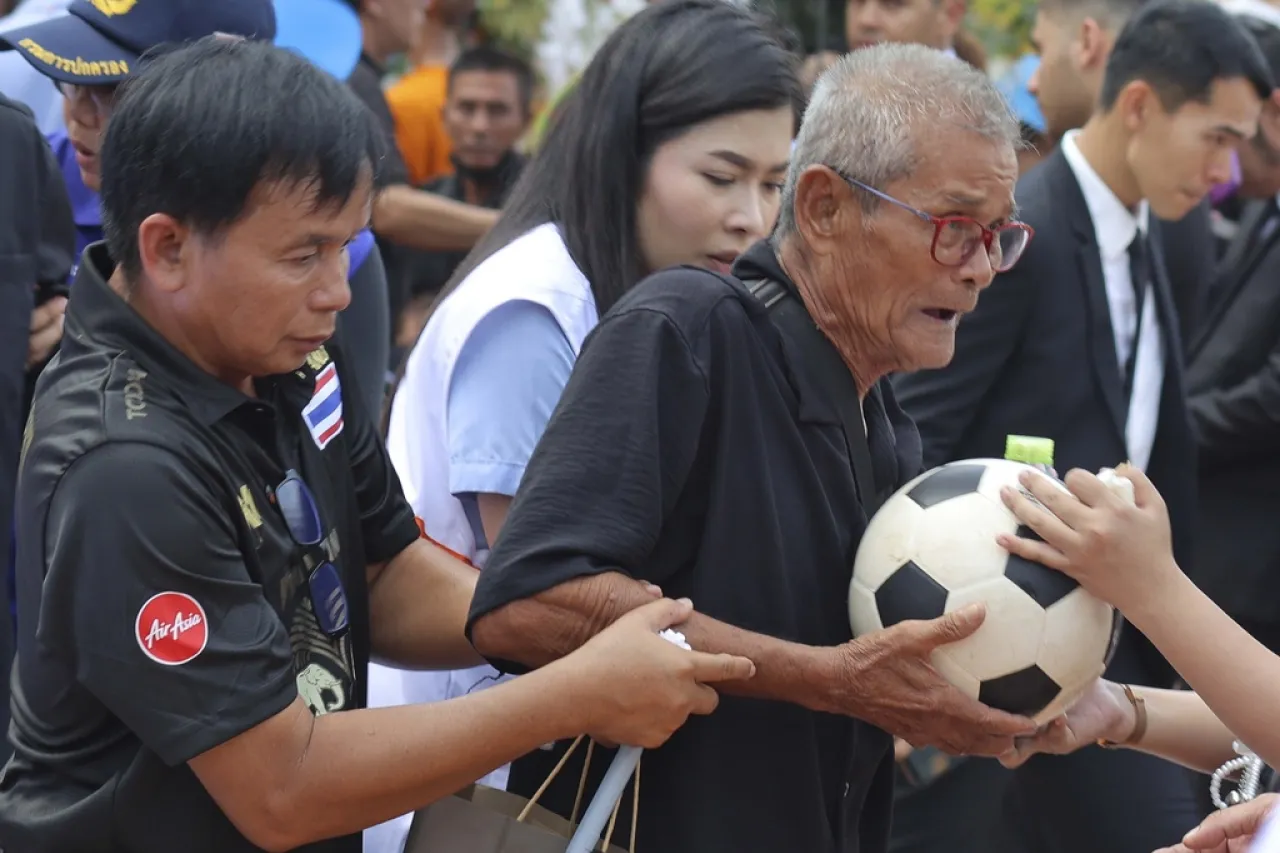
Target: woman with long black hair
672, 149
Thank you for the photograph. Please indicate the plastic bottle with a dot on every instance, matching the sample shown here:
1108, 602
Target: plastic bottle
1031, 450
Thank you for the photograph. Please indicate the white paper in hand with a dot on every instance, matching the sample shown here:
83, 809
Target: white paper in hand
675, 637
1122, 486
1268, 838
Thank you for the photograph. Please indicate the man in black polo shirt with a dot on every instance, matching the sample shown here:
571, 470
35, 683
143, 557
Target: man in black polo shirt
212, 545
709, 445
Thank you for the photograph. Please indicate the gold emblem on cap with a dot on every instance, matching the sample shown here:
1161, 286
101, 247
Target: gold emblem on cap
111, 8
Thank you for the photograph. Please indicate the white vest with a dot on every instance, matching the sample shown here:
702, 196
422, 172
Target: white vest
536, 268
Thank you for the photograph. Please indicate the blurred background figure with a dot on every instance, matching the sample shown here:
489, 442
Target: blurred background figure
488, 104
36, 244
932, 23
1013, 85
1233, 379
417, 99
18, 80
404, 217
814, 65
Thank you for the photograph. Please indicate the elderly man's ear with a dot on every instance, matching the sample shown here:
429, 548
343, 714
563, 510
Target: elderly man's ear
825, 210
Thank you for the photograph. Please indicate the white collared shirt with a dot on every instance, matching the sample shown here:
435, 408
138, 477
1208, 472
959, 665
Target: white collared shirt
1115, 226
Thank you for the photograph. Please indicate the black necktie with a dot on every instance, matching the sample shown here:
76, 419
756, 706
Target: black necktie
1139, 277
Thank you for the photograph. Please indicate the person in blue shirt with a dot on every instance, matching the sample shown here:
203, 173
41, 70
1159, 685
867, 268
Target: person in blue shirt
679, 161
108, 47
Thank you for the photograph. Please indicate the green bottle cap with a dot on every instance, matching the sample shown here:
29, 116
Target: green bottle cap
1028, 449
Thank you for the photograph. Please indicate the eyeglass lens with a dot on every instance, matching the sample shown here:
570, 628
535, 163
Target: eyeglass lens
299, 509
958, 239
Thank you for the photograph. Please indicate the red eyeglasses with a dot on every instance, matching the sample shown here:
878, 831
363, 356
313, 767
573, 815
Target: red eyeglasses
956, 238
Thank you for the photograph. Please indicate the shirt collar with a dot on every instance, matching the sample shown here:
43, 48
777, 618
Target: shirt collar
1114, 225
99, 315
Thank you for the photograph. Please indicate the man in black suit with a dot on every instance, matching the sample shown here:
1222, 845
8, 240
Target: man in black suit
1074, 39
1233, 380
1080, 343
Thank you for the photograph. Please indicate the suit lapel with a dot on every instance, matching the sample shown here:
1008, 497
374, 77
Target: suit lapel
1102, 344
1248, 307
1235, 271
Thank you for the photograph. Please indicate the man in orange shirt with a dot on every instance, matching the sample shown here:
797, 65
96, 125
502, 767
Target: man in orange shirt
417, 100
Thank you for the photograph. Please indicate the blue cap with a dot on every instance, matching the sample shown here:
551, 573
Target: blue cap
100, 42
1013, 85
327, 32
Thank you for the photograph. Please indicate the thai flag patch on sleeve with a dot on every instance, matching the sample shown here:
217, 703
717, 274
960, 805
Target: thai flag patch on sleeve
324, 413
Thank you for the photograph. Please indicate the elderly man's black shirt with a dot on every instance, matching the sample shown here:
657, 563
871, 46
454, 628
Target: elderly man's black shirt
693, 449
163, 605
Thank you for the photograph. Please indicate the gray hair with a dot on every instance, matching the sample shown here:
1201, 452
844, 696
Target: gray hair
866, 110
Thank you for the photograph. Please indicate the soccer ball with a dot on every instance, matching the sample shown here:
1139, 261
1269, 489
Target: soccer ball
932, 549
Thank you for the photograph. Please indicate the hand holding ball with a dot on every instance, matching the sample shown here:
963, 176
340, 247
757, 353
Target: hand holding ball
931, 549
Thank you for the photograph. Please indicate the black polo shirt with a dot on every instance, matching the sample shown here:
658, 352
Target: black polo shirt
693, 449
163, 605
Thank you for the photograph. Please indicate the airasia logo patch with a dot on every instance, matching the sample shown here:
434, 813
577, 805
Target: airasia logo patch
171, 628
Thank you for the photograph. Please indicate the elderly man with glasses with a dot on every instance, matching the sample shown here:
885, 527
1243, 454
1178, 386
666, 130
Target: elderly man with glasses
728, 436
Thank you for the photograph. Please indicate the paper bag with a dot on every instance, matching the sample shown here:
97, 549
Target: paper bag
480, 819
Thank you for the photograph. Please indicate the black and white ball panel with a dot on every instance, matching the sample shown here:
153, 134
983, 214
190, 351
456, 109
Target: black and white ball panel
931, 549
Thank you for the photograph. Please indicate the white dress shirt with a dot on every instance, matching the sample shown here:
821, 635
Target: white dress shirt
1114, 227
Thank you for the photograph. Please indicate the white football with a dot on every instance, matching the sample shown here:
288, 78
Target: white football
932, 549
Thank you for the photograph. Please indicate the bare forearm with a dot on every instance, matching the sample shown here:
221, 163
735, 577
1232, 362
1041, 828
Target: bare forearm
1236, 676
1182, 729
549, 626
429, 222
363, 767
418, 610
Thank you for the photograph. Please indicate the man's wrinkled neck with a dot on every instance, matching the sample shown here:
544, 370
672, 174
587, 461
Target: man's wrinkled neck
845, 334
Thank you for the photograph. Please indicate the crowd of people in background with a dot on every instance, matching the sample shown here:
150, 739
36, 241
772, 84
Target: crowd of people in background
505, 222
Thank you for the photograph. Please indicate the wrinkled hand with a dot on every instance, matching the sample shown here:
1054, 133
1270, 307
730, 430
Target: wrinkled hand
641, 687
1102, 712
46, 329
1117, 551
886, 679
1227, 831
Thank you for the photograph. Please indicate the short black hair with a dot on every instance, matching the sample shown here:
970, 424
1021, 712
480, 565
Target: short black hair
487, 58
1180, 48
1267, 36
1112, 14
200, 128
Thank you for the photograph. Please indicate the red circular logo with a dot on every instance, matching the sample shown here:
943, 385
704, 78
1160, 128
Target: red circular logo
171, 628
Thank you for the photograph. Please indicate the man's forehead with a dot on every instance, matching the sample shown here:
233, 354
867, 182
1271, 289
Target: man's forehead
965, 170
1233, 108
298, 206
